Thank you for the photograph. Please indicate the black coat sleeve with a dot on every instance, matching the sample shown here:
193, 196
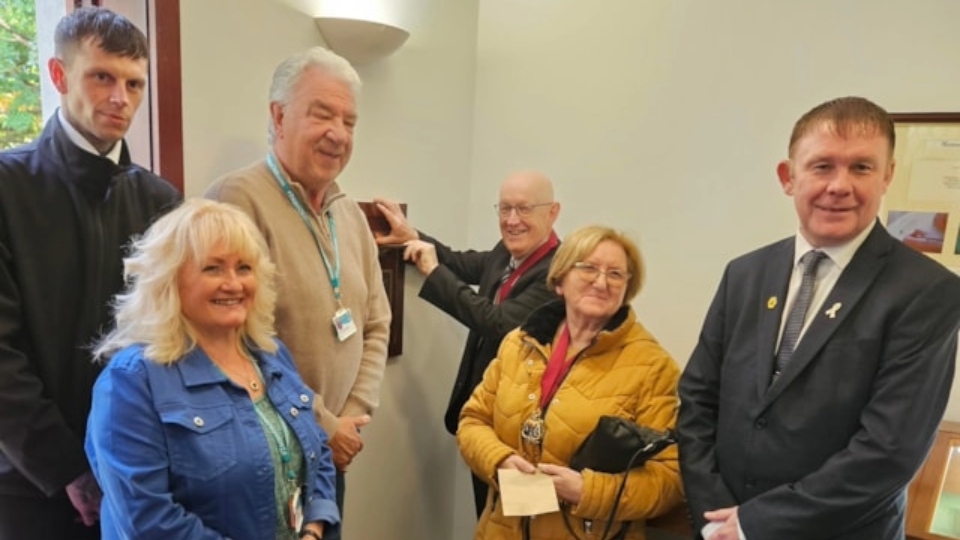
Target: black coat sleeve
449, 288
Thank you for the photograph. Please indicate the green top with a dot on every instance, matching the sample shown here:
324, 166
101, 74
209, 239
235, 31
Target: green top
287, 463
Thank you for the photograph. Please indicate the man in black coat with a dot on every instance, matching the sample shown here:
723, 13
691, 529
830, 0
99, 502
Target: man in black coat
71, 201
510, 278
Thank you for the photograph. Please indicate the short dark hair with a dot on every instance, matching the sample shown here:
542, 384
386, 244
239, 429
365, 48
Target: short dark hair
844, 116
111, 31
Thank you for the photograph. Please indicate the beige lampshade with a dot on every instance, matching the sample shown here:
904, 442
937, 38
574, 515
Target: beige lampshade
360, 41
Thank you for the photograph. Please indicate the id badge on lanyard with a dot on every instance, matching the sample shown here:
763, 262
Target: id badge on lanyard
295, 510
343, 323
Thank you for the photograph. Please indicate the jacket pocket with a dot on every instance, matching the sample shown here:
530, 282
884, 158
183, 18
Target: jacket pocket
201, 441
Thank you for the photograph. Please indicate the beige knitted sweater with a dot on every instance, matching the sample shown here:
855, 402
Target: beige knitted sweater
346, 375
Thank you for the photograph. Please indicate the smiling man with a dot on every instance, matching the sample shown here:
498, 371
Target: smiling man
826, 359
332, 309
71, 202
511, 279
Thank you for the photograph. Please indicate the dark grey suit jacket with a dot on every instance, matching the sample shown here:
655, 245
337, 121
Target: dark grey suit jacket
449, 288
827, 451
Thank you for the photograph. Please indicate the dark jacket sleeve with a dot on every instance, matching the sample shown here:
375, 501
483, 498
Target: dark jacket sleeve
697, 421
469, 266
448, 288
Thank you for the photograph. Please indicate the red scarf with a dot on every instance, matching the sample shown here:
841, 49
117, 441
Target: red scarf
557, 369
533, 259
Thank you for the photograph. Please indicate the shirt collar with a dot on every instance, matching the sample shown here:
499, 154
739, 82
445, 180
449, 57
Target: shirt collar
840, 255
515, 263
81, 142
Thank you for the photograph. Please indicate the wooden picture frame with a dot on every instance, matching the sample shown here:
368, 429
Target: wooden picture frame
934, 478
392, 266
922, 204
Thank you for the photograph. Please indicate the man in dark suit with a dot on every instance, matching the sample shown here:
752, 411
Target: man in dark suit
809, 423
511, 279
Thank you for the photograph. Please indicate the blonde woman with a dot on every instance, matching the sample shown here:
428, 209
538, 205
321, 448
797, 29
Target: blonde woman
200, 426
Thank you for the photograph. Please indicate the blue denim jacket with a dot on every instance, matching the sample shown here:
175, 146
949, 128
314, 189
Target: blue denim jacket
180, 454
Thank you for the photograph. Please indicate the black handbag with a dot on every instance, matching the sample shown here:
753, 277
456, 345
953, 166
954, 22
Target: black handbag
615, 446
618, 445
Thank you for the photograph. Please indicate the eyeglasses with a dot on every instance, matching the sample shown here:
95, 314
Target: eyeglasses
523, 210
590, 273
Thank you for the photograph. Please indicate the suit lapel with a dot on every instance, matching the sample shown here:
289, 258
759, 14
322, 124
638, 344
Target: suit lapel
856, 278
774, 284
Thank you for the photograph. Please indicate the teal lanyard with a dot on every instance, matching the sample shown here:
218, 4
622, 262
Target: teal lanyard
334, 271
281, 438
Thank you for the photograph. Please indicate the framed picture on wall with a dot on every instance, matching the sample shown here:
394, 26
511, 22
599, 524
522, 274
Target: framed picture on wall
391, 265
922, 205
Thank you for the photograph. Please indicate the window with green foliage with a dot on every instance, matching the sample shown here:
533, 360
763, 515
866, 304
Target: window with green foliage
20, 113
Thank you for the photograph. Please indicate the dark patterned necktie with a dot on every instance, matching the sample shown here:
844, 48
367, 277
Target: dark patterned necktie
507, 271
511, 266
798, 313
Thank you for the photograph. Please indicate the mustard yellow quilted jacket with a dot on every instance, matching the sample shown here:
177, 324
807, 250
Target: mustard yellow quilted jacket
625, 373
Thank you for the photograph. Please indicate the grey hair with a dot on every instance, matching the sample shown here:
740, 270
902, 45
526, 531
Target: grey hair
288, 73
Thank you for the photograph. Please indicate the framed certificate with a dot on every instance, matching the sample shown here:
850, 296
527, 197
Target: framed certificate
922, 205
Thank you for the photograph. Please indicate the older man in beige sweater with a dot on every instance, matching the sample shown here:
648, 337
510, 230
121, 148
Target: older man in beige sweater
332, 310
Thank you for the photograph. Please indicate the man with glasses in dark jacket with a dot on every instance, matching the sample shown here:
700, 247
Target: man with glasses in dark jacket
510, 279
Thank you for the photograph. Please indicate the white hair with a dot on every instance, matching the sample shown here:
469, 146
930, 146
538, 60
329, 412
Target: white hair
288, 73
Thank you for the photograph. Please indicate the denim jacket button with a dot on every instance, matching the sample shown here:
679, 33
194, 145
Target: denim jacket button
197, 421
304, 398
294, 412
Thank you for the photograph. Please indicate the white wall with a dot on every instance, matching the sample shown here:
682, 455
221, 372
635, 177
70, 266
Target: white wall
412, 144
662, 117
666, 118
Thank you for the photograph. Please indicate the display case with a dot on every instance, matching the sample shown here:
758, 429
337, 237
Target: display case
933, 499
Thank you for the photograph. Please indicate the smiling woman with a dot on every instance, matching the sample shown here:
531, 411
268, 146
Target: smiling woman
206, 252
193, 365
217, 292
574, 360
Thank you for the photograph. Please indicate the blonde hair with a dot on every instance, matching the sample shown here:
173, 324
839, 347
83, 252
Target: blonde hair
149, 310
580, 244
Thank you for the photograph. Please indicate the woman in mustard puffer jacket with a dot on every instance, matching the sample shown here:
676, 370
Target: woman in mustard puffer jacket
574, 360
